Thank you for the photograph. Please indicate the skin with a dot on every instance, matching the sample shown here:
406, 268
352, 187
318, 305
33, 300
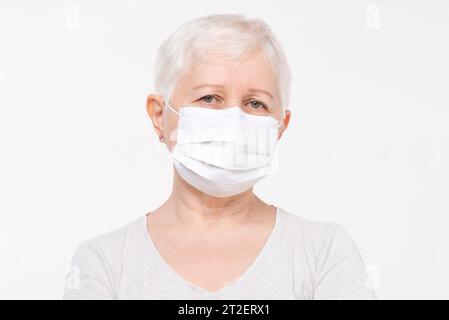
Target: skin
208, 241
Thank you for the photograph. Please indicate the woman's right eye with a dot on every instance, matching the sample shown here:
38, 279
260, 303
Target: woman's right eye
209, 98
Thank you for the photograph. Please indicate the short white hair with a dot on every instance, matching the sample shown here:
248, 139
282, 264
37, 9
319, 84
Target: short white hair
230, 36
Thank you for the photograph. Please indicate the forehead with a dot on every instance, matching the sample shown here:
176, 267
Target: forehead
251, 71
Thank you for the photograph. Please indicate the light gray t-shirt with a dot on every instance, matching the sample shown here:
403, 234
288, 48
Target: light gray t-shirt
302, 259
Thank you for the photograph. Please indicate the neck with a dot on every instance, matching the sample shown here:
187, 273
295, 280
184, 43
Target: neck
191, 206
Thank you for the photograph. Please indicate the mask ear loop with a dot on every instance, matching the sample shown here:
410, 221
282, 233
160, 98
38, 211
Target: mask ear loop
161, 137
282, 119
170, 107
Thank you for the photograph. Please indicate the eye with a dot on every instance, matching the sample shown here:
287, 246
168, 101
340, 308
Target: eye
208, 99
257, 104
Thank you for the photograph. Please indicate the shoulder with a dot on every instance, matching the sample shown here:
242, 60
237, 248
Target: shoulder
336, 266
309, 230
114, 239
325, 238
109, 246
96, 262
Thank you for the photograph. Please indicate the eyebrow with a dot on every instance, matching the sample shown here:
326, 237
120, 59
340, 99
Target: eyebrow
262, 91
222, 86
207, 85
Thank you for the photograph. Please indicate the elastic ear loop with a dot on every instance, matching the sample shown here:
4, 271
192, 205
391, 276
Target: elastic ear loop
282, 119
161, 138
170, 107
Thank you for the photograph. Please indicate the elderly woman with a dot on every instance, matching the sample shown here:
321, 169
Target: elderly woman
222, 84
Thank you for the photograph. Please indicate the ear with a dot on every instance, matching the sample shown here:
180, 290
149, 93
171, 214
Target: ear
155, 106
285, 122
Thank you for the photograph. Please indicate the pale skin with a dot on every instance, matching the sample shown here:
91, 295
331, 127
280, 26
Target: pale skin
211, 241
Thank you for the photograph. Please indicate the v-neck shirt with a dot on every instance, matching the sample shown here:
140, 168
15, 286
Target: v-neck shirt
301, 259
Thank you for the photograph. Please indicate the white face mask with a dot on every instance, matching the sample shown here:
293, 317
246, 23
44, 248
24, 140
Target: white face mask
224, 152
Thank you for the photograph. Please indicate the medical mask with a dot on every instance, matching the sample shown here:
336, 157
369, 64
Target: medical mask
224, 152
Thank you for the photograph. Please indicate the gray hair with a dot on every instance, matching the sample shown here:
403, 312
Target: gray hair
230, 36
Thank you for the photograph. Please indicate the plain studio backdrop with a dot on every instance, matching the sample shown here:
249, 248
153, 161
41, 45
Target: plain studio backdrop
367, 145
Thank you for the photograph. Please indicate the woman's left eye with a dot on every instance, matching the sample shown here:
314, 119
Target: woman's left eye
257, 104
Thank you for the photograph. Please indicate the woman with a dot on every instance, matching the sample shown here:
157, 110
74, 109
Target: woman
222, 85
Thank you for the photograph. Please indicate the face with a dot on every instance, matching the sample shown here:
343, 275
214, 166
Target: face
215, 83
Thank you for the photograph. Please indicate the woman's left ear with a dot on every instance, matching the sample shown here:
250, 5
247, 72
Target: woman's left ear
285, 122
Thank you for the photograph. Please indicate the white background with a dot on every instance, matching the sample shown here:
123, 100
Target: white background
368, 142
